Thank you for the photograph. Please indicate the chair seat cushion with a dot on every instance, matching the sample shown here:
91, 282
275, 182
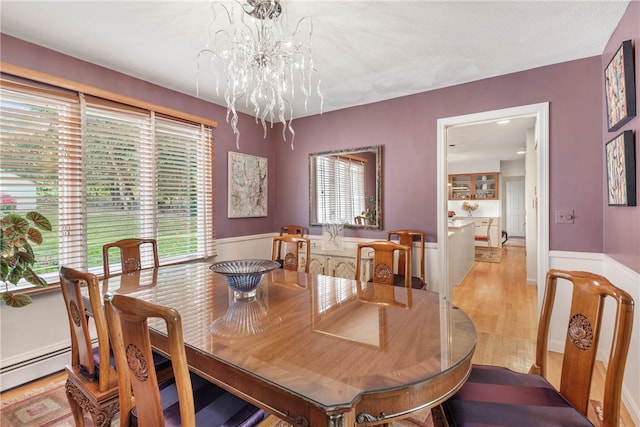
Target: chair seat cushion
495, 396
416, 282
213, 405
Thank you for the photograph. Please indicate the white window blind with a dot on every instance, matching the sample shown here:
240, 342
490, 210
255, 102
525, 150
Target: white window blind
118, 147
184, 191
101, 172
340, 189
39, 155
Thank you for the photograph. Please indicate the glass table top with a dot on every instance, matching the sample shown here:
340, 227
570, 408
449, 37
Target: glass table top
324, 338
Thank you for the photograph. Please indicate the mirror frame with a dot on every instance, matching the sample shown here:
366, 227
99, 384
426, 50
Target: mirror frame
377, 150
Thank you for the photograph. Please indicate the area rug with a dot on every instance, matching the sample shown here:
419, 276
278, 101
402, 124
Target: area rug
43, 407
486, 255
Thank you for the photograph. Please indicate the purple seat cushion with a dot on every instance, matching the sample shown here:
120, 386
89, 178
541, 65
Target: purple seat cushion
496, 396
213, 406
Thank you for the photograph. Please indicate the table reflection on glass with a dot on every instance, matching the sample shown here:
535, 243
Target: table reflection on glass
312, 349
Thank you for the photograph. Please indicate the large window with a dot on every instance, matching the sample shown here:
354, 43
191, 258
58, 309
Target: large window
102, 171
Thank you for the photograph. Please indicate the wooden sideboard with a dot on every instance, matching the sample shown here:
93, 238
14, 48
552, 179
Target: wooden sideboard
339, 263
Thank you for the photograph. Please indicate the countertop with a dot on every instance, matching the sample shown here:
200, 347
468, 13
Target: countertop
459, 223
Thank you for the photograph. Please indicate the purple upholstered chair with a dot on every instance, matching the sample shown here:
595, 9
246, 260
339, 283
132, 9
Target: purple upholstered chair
498, 396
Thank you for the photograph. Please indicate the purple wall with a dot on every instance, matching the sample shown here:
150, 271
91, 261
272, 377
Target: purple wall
19, 52
407, 128
622, 224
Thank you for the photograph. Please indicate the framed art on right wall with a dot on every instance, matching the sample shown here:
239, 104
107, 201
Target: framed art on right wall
621, 170
619, 84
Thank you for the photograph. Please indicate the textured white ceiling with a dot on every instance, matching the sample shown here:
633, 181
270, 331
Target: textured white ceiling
365, 51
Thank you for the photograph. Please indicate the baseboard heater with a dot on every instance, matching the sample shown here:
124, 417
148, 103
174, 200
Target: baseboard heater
34, 368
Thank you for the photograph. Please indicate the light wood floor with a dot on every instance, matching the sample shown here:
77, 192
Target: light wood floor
503, 308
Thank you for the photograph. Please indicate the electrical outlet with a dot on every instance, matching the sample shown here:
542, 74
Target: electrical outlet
564, 216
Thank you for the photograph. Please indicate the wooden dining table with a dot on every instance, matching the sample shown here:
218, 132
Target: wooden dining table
311, 349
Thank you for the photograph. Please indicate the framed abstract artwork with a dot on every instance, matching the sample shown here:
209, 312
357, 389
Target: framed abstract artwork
247, 186
619, 84
621, 170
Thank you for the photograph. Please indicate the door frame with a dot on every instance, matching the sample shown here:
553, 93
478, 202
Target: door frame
541, 112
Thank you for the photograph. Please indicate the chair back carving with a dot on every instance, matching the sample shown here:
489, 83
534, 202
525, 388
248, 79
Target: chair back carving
407, 238
292, 229
383, 260
130, 254
581, 345
287, 249
90, 387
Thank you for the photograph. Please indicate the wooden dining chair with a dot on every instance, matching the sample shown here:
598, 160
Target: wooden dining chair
407, 238
384, 253
130, 254
91, 380
486, 237
499, 396
92, 383
292, 229
186, 400
286, 249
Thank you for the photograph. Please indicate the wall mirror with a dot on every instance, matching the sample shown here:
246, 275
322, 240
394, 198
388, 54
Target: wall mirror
345, 187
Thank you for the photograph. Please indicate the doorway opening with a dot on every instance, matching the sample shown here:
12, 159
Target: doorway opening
538, 199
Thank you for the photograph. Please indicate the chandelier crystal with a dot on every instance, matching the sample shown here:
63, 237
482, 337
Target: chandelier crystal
266, 65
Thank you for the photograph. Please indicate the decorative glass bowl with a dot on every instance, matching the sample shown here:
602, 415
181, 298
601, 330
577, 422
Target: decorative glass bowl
244, 275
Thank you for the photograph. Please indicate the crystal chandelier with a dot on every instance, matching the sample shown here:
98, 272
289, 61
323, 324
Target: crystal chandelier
265, 64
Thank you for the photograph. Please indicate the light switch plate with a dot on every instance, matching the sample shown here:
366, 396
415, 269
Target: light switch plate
564, 216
